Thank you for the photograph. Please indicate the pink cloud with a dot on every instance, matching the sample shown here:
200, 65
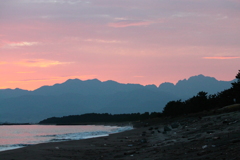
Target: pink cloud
21, 44
223, 57
102, 41
129, 23
116, 40
10, 44
138, 76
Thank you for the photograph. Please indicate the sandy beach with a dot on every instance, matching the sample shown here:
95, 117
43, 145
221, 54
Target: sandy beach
190, 137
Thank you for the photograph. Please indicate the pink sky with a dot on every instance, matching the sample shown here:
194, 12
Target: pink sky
43, 42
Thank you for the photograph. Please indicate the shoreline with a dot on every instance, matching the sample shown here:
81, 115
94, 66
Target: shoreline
207, 137
116, 128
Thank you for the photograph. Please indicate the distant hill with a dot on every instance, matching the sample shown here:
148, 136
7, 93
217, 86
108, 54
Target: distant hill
189, 87
9, 93
88, 87
75, 97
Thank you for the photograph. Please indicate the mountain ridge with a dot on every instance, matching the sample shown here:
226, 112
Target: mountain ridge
75, 96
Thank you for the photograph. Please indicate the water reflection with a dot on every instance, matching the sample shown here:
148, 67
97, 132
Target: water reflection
32, 134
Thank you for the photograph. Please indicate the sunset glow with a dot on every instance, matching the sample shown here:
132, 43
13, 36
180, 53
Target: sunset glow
43, 42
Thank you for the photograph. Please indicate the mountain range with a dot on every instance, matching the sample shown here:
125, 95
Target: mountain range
75, 97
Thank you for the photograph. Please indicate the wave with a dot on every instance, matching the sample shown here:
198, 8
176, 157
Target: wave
13, 146
86, 135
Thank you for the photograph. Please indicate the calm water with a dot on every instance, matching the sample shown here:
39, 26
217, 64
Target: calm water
12, 137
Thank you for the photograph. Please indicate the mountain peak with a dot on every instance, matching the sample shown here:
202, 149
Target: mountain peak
72, 80
195, 84
201, 77
110, 81
93, 80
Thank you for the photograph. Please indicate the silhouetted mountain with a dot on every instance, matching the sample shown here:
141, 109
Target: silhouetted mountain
9, 93
189, 87
75, 97
78, 97
139, 100
88, 87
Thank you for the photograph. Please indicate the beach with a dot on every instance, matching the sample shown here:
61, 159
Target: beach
189, 137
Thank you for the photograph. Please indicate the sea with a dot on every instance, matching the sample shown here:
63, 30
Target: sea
18, 136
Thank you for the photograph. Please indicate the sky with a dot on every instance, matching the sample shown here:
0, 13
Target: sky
43, 42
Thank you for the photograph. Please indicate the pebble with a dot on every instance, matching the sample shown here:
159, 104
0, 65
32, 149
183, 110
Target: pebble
205, 146
167, 128
175, 125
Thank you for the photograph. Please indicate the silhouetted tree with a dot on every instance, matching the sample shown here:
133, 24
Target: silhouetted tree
197, 103
202, 102
238, 76
236, 88
174, 108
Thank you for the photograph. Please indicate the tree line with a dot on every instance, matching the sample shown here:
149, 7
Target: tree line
99, 117
203, 102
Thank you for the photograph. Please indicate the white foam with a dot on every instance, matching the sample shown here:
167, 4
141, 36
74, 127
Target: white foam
11, 147
85, 135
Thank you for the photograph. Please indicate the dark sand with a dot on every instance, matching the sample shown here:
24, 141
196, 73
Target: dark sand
206, 137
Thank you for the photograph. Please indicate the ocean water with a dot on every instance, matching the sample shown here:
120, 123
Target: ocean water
17, 136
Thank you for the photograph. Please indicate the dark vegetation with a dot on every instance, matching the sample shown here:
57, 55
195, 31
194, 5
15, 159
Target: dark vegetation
97, 117
8, 124
201, 102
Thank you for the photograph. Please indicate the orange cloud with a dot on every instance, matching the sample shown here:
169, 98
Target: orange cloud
40, 63
129, 23
3, 63
4, 87
30, 80
223, 57
83, 77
